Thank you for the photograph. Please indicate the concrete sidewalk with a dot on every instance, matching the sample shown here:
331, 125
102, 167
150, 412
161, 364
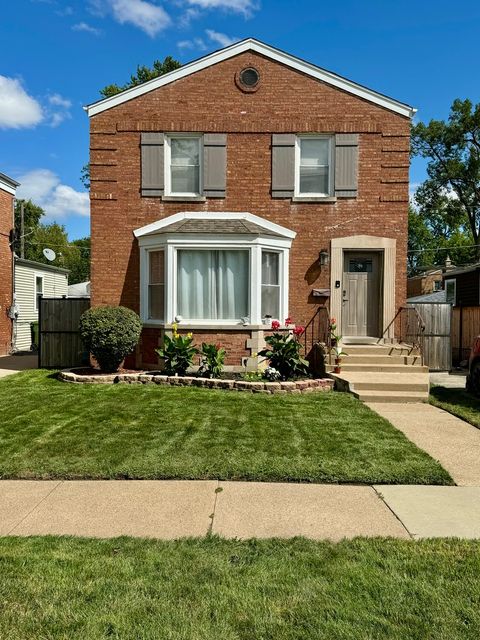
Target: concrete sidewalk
451, 441
175, 509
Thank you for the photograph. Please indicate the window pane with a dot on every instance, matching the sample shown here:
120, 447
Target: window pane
271, 301
270, 262
185, 179
156, 301
157, 267
314, 151
360, 266
39, 285
213, 285
185, 151
314, 179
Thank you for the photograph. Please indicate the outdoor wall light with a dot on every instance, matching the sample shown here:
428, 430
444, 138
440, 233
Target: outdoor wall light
323, 258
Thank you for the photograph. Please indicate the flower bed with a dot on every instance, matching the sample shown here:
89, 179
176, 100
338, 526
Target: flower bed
298, 386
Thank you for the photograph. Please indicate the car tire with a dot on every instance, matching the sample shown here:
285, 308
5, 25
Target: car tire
474, 379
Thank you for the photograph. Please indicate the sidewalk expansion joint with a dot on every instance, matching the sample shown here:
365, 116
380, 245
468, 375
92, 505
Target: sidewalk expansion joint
380, 496
35, 507
218, 489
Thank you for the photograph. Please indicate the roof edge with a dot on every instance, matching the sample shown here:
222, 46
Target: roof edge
251, 44
8, 184
40, 265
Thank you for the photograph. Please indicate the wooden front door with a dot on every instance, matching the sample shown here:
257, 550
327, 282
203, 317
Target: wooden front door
361, 294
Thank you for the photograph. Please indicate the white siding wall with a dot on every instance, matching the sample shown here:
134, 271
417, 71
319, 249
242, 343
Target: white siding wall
55, 285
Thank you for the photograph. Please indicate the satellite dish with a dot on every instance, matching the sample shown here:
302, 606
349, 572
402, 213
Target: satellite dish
49, 254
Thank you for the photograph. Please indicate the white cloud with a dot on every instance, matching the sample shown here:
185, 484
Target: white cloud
17, 109
196, 43
146, 16
57, 100
58, 109
245, 7
87, 28
220, 38
58, 200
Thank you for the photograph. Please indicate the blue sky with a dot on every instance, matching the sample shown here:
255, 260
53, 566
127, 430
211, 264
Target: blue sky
55, 56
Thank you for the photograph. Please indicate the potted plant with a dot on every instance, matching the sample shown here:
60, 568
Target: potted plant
338, 358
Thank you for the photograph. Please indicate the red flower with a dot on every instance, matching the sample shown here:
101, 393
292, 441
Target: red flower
288, 320
298, 331
275, 325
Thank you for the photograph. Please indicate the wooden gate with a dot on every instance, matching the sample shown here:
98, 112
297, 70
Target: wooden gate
60, 345
465, 328
437, 349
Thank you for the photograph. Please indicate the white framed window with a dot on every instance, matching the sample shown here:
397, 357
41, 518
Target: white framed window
451, 291
271, 288
213, 284
183, 164
314, 166
38, 291
156, 285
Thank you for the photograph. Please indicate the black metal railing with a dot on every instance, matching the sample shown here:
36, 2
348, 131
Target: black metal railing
317, 332
409, 328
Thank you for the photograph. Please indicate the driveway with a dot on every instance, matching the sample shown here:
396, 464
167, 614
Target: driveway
17, 362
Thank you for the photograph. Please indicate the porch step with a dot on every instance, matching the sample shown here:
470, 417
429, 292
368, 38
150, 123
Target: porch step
374, 359
367, 381
391, 396
381, 349
377, 368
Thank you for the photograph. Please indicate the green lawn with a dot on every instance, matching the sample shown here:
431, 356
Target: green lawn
457, 401
51, 429
213, 589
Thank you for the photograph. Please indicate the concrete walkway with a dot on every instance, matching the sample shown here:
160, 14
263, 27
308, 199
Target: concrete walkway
16, 363
175, 509
451, 441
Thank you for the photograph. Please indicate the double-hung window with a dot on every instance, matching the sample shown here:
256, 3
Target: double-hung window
38, 291
270, 284
156, 285
313, 166
183, 165
213, 284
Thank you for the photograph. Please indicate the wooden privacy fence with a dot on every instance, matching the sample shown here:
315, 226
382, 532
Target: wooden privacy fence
436, 340
60, 345
465, 327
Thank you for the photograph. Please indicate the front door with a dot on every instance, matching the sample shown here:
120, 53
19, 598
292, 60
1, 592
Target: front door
361, 291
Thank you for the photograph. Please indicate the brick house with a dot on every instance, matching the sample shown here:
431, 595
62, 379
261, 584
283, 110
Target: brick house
246, 186
8, 189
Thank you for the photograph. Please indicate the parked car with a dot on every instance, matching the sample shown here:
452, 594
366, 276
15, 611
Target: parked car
473, 376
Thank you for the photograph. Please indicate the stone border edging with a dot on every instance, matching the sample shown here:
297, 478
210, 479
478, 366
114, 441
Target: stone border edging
299, 386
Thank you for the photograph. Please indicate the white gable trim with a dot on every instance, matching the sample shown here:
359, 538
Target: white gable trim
250, 44
8, 185
157, 226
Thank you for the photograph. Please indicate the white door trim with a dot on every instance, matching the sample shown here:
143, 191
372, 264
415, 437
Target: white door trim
388, 248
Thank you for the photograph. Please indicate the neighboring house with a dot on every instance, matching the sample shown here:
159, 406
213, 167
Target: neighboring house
32, 280
245, 186
435, 296
462, 286
79, 290
428, 281
8, 189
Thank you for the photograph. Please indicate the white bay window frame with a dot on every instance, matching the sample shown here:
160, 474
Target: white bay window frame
172, 243
168, 164
331, 169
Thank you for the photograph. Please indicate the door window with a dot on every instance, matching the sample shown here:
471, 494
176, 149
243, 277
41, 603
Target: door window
360, 265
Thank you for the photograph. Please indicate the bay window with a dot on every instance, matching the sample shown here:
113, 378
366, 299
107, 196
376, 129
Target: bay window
212, 284
313, 170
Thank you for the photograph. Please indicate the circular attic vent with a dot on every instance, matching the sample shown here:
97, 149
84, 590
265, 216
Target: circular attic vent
248, 79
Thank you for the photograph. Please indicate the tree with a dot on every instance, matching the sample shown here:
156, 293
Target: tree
142, 75
52, 236
450, 197
78, 261
32, 214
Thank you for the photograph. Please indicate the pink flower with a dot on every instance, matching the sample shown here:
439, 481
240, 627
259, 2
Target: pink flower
288, 321
298, 331
275, 325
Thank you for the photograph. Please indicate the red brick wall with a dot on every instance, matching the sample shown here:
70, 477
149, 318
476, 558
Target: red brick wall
6, 204
286, 101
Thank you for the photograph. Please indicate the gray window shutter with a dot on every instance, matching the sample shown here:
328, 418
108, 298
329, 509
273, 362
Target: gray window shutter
153, 178
346, 165
215, 165
283, 165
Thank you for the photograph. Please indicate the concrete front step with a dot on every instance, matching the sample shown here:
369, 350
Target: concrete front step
380, 350
377, 368
382, 382
391, 396
364, 358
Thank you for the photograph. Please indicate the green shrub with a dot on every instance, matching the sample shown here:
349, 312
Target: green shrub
213, 360
177, 353
110, 334
283, 354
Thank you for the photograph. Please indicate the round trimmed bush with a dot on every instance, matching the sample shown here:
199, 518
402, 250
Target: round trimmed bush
110, 334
